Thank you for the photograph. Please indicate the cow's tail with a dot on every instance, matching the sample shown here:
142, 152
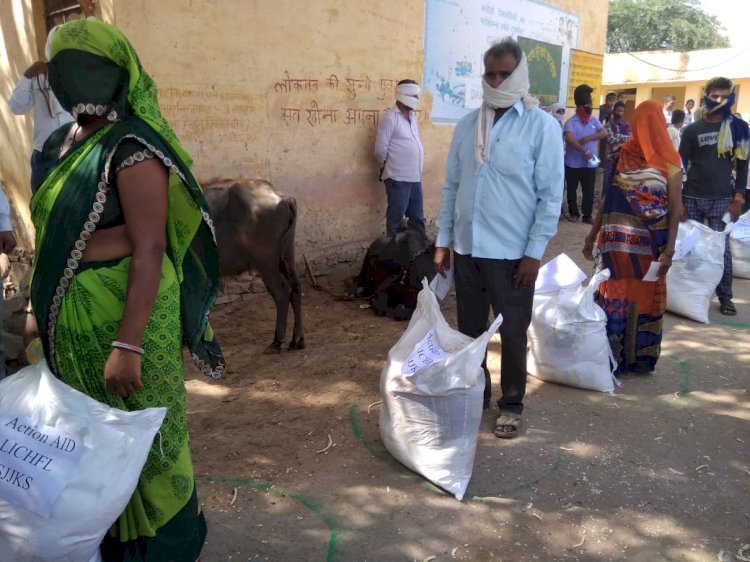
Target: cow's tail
286, 260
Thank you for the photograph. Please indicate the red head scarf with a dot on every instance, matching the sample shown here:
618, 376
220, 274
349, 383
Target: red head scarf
649, 145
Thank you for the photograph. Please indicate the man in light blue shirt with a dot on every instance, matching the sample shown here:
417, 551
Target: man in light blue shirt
500, 207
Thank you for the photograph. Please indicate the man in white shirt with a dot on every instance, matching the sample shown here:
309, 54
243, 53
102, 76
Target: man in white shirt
7, 243
667, 107
399, 149
33, 91
689, 117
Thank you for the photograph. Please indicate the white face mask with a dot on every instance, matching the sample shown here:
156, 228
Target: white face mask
409, 101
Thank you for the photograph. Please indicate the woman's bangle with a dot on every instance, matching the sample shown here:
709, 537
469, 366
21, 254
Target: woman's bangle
669, 253
128, 347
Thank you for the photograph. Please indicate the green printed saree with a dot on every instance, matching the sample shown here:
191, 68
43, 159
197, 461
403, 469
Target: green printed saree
79, 305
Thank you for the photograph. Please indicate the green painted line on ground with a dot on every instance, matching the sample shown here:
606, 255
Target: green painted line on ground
307, 503
555, 469
732, 324
388, 459
685, 371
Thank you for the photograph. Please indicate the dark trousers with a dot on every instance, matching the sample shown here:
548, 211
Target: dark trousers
37, 171
404, 199
710, 211
484, 283
587, 178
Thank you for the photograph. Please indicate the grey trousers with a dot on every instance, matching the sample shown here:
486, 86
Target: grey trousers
483, 283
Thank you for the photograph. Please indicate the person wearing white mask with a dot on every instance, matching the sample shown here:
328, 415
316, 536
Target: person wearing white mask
399, 150
33, 91
500, 206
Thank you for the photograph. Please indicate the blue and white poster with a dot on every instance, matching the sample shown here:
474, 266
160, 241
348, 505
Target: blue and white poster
458, 32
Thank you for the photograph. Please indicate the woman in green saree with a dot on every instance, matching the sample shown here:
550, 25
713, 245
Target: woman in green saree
126, 270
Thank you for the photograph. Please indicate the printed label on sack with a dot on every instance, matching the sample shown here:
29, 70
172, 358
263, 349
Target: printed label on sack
426, 352
36, 462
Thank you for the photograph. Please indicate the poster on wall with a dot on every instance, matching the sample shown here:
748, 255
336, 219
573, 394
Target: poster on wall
585, 68
458, 32
545, 62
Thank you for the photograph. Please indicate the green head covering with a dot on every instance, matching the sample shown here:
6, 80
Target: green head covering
94, 70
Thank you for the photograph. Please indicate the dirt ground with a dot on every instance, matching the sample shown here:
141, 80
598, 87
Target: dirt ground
659, 471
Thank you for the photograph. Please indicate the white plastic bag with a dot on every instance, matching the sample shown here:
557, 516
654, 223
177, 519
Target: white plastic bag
568, 337
430, 416
739, 240
114, 446
692, 280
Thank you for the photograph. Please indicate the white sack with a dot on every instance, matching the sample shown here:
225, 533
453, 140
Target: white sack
739, 241
692, 279
430, 420
568, 339
116, 446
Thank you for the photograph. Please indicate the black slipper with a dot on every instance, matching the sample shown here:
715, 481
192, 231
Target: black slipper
727, 308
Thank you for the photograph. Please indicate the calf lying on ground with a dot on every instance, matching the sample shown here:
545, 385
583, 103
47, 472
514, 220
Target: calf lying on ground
393, 269
255, 232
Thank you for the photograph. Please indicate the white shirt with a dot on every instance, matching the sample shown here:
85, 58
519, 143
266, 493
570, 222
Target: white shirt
688, 117
48, 114
667, 115
674, 135
5, 225
398, 144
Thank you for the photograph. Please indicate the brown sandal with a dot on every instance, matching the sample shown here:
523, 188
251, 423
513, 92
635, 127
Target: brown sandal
508, 425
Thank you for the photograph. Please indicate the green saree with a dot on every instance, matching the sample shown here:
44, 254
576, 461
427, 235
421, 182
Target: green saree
79, 305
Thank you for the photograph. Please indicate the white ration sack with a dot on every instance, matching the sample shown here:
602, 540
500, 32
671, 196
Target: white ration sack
568, 339
692, 279
739, 240
432, 387
70, 460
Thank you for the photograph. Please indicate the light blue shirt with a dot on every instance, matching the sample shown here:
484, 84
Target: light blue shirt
510, 207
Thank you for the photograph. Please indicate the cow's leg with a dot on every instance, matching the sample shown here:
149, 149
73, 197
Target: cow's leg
298, 335
279, 288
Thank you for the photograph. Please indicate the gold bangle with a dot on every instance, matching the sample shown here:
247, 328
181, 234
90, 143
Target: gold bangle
668, 253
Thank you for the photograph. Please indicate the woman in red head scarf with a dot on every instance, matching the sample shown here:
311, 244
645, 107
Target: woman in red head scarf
636, 226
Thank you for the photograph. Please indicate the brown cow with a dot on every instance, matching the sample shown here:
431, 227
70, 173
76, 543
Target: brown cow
255, 232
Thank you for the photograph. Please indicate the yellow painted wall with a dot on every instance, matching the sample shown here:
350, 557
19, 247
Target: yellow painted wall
20, 48
290, 91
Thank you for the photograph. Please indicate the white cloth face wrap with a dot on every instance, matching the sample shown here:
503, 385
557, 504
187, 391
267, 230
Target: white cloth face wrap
405, 94
515, 87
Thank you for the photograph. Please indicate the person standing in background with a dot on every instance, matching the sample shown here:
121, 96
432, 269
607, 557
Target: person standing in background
675, 127
667, 107
582, 135
714, 153
689, 117
399, 150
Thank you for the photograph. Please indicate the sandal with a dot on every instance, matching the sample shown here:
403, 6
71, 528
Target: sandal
508, 425
727, 308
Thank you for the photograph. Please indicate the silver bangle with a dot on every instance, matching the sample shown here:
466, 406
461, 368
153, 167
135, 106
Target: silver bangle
128, 347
